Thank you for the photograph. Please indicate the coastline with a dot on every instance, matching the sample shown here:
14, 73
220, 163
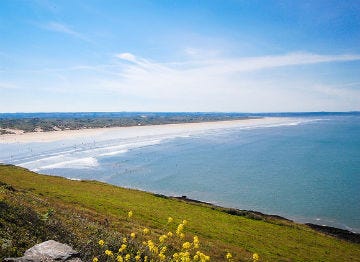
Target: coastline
106, 206
181, 127
340, 233
131, 131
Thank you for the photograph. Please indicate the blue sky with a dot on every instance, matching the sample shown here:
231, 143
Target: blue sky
243, 56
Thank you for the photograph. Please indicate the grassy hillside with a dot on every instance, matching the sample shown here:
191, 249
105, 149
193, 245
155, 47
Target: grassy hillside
35, 208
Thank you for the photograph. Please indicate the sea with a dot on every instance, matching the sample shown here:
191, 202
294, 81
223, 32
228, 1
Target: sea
307, 168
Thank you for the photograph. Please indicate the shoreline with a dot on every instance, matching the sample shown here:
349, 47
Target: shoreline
199, 126
339, 233
127, 131
336, 232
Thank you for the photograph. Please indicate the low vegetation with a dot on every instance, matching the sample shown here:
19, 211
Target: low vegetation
70, 121
35, 208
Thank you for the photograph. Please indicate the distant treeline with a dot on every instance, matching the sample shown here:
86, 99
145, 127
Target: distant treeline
71, 121
30, 122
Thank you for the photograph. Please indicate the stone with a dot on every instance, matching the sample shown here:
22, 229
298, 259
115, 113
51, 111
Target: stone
48, 251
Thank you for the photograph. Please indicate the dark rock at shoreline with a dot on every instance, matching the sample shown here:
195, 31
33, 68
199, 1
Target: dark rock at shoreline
332, 231
232, 211
48, 251
337, 232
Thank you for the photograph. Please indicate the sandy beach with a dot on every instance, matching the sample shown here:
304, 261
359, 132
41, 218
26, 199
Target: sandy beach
136, 131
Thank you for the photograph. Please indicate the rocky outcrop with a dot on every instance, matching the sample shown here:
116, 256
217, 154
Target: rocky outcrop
48, 251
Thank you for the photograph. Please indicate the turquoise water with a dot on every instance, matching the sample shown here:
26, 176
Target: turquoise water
308, 171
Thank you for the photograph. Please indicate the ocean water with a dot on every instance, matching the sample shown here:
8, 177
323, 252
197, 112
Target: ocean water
306, 168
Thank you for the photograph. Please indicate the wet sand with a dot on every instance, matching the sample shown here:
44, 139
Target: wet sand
134, 131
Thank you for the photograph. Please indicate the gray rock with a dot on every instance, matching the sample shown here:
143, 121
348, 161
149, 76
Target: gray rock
48, 251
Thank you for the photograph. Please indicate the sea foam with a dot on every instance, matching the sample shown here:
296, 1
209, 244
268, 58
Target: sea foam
87, 162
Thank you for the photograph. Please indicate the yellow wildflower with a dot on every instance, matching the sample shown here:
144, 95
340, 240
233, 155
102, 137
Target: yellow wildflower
162, 238
186, 245
202, 256
119, 259
132, 235
163, 249
122, 248
101, 242
175, 255
179, 229
255, 257
95, 259
228, 256
169, 234
170, 220
185, 256
196, 258
137, 257
124, 240
185, 222
182, 235
108, 252
162, 256
146, 231
127, 257
130, 214
152, 247
145, 259
196, 242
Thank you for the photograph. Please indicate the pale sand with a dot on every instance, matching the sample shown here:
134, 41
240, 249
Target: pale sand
136, 131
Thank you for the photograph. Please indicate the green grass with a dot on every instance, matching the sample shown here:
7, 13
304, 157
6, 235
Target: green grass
85, 207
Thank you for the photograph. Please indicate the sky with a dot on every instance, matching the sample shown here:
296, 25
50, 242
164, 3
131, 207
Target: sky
210, 56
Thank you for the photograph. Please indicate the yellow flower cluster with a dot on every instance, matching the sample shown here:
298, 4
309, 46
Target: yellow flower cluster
162, 238
109, 253
122, 248
196, 242
150, 251
256, 257
152, 247
162, 256
201, 257
186, 245
228, 256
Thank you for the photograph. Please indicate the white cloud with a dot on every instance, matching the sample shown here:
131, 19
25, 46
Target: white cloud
230, 84
246, 84
126, 56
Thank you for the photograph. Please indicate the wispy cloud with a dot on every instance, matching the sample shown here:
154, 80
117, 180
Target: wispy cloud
224, 83
65, 29
126, 56
245, 63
